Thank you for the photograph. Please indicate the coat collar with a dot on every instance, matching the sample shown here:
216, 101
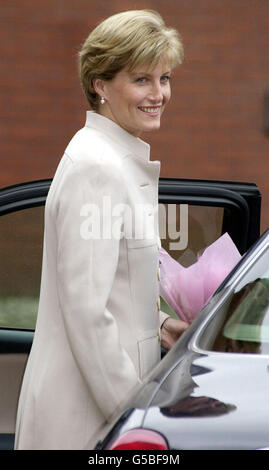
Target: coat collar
114, 131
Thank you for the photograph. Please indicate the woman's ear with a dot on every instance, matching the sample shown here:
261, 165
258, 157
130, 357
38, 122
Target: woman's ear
99, 86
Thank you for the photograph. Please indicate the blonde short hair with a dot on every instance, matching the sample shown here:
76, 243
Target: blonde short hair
129, 39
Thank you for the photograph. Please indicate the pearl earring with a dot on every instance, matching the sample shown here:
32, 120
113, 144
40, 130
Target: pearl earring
102, 100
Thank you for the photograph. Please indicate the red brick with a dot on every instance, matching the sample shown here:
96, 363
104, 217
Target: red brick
213, 127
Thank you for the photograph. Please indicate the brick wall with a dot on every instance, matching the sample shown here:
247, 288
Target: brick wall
213, 127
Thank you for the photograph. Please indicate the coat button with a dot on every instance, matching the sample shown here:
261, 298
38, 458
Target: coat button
158, 274
158, 303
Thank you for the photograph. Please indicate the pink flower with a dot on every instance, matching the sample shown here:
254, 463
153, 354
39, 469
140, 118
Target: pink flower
187, 290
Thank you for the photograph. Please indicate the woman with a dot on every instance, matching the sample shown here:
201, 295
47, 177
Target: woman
97, 332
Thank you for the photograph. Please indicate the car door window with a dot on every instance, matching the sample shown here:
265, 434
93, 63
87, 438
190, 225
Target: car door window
21, 237
186, 230
213, 208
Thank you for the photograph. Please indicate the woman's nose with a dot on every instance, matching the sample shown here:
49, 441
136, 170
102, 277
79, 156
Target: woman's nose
156, 92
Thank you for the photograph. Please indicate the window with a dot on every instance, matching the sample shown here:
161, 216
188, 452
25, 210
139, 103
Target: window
21, 239
186, 230
242, 324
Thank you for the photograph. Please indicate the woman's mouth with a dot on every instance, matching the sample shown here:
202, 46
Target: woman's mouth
150, 110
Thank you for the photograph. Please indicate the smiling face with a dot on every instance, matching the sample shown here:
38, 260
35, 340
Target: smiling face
136, 100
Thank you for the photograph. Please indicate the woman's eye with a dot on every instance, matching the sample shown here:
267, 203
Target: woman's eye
165, 78
141, 80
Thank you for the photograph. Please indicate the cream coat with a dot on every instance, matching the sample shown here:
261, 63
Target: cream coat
97, 329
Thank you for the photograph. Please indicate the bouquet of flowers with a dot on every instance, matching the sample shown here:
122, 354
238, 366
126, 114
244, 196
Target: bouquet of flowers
187, 290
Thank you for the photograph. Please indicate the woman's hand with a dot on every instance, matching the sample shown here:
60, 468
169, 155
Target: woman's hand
170, 332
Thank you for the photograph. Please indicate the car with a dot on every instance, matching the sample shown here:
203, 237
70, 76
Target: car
193, 214
210, 391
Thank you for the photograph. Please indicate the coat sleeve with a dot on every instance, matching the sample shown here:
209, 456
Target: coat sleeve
86, 268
